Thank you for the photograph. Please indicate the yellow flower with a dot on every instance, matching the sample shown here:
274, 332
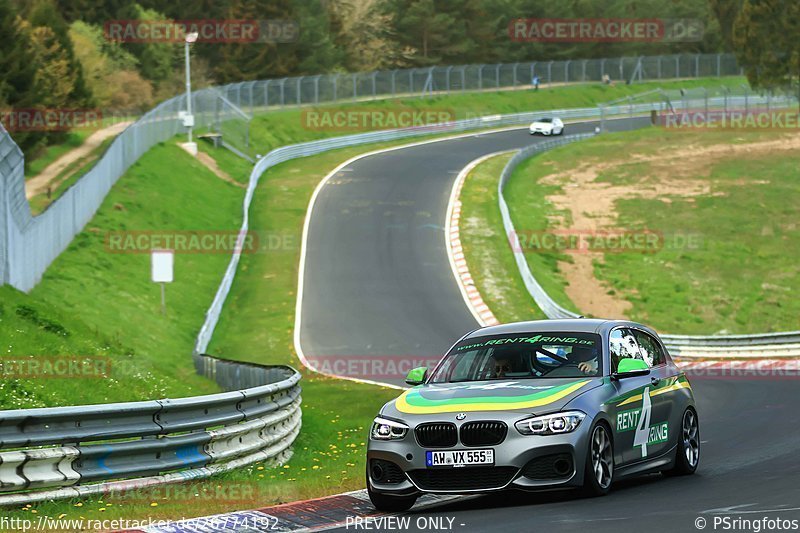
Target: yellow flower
153, 504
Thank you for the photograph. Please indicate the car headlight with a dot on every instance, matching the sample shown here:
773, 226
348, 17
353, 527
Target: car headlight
385, 429
554, 424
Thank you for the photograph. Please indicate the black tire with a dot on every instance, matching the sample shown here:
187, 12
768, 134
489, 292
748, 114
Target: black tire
599, 458
687, 452
390, 504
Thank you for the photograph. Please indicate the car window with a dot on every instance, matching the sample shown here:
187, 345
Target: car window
652, 353
522, 356
546, 120
623, 345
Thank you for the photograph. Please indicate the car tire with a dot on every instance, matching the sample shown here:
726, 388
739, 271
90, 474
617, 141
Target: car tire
390, 504
599, 454
687, 452
562, 131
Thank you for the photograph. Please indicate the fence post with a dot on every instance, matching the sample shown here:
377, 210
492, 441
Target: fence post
394, 73
411, 80
514, 74
463, 78
299, 92
480, 77
335, 87
497, 75
374, 85
719, 65
677, 66
583, 69
566, 70
550, 72
697, 66
355, 87
602, 68
659, 67
447, 75
316, 88
266, 94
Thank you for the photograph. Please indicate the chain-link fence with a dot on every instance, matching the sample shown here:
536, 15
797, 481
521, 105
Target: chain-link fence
29, 244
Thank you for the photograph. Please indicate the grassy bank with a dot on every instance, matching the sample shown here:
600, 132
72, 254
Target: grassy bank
722, 203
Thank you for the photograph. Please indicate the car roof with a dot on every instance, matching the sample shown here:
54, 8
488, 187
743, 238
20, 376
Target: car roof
577, 325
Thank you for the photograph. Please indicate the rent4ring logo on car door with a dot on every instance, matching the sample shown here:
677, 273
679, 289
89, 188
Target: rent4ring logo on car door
638, 420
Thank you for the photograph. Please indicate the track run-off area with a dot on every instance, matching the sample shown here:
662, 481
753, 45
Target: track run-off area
377, 283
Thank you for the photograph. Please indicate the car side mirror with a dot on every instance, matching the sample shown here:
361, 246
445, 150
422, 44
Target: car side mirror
630, 368
417, 376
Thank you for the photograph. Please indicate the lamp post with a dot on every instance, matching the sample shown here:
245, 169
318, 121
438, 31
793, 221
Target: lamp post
188, 120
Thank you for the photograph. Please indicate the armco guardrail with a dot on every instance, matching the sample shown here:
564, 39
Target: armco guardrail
780, 344
63, 452
28, 244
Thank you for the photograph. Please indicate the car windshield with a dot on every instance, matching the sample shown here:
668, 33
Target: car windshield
521, 356
548, 120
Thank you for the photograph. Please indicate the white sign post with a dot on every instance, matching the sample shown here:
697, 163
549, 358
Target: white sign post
161, 271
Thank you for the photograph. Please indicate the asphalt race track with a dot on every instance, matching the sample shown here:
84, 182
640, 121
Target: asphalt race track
378, 283
377, 280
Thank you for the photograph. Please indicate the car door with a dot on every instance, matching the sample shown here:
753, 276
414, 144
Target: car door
662, 395
627, 403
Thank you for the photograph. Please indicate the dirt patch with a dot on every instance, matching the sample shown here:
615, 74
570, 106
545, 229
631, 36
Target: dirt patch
211, 163
590, 205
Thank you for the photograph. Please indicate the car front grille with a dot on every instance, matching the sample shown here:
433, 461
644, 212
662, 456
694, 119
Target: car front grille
483, 433
437, 435
463, 479
554, 466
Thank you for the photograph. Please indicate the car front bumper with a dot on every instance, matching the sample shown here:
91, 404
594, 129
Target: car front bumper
521, 462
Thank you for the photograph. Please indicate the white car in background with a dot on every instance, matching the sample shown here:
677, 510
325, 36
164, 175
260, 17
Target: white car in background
547, 126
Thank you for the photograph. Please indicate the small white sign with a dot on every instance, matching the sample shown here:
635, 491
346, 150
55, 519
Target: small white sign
162, 262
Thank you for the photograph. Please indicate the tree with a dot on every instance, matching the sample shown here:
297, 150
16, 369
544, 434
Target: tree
766, 44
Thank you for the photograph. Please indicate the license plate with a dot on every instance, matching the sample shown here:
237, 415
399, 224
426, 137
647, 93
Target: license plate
457, 458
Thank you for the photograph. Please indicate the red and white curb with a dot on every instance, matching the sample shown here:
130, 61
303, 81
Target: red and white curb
455, 251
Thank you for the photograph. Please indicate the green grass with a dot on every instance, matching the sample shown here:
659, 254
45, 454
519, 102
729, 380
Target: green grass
735, 276
483, 239
93, 302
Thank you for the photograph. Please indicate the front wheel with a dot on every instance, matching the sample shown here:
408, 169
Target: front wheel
599, 470
687, 454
